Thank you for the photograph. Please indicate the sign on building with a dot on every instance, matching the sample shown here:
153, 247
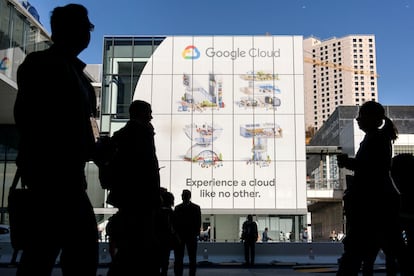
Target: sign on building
229, 120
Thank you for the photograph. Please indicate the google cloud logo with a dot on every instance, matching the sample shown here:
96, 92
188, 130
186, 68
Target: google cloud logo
4, 64
191, 52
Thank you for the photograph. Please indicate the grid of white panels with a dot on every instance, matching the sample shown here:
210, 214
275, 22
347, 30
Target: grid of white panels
229, 119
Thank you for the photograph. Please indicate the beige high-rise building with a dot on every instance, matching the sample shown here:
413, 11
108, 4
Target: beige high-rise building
337, 71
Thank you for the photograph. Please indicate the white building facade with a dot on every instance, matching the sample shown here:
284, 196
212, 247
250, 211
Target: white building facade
229, 120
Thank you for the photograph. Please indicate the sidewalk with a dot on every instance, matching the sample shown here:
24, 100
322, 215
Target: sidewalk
232, 270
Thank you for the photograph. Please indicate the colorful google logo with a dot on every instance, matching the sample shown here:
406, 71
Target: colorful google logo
191, 52
4, 64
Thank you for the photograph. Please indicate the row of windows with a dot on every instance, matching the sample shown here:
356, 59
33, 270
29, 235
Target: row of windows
362, 100
362, 61
398, 149
334, 50
361, 45
362, 56
361, 51
370, 40
327, 95
360, 40
363, 83
356, 77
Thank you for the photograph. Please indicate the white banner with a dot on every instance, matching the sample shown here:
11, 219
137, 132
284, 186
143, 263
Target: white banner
229, 119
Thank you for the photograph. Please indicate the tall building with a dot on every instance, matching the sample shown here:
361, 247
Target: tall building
337, 71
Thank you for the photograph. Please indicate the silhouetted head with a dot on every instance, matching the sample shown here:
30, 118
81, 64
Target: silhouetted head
249, 217
186, 195
141, 111
71, 28
167, 199
372, 117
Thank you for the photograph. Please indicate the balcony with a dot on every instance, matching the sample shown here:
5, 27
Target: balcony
324, 190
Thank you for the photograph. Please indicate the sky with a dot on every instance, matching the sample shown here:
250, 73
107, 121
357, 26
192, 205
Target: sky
391, 21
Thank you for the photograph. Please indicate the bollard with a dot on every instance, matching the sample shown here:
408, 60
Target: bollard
205, 254
311, 255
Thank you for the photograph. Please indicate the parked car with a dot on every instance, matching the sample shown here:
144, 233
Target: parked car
4, 233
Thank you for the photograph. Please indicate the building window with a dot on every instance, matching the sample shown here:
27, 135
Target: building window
398, 149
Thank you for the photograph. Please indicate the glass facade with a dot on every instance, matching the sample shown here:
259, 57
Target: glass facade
18, 37
124, 60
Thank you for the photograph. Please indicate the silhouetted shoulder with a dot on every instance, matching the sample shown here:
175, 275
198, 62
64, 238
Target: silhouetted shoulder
402, 171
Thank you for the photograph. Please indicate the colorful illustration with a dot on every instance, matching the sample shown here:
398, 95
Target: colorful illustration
260, 91
259, 76
259, 133
4, 64
197, 98
203, 152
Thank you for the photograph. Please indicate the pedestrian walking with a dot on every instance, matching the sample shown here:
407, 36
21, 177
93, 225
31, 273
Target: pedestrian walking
249, 236
371, 197
52, 154
187, 223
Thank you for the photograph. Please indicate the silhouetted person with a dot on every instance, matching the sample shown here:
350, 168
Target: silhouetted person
137, 194
402, 171
165, 230
113, 234
250, 235
205, 234
333, 236
187, 221
53, 110
371, 200
305, 235
265, 235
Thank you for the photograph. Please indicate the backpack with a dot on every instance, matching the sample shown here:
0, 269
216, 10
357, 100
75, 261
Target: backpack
106, 158
249, 230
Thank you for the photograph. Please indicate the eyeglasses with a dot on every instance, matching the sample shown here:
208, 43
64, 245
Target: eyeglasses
91, 27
